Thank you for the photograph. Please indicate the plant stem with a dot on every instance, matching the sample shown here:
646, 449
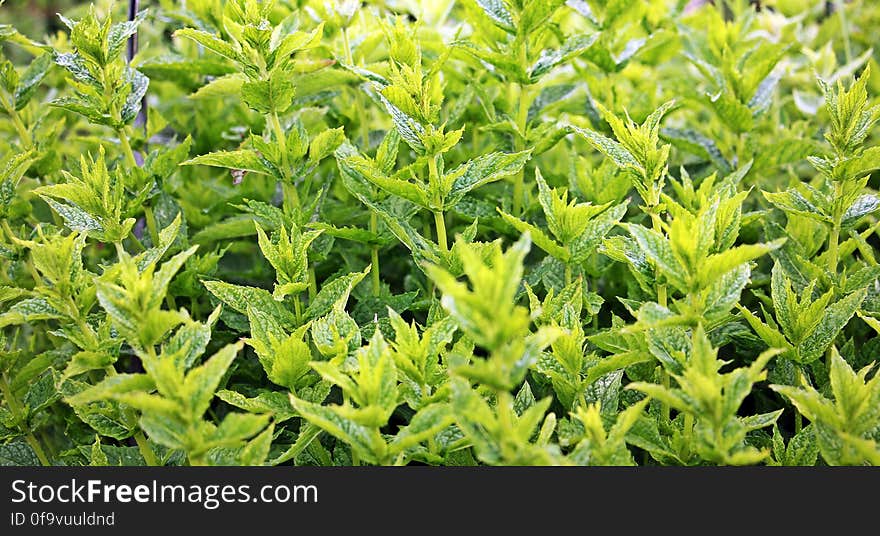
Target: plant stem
139, 437
662, 300
567, 274
145, 449
5, 224
522, 116
313, 284
275, 123
661, 289
365, 141
844, 29
127, 152
688, 430
151, 225
16, 411
137, 242
297, 309
664, 407
440, 225
374, 256
439, 220
23, 133
833, 240
291, 197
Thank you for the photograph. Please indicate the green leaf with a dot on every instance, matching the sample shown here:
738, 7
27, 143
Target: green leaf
41, 393
483, 170
274, 403
325, 143
337, 291
834, 318
18, 453
500, 14
211, 42
244, 159
409, 129
861, 207
138, 88
424, 425
658, 250
202, 381
240, 297
222, 86
538, 237
30, 80
365, 441
412, 192
111, 386
791, 201
721, 263
573, 46
595, 231
274, 95
610, 148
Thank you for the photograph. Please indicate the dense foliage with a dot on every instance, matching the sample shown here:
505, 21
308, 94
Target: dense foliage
593, 232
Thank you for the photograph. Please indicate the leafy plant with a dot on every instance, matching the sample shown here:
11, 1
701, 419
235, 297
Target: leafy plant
502, 232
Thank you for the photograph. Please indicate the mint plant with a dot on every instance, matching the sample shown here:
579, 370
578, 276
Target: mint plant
249, 232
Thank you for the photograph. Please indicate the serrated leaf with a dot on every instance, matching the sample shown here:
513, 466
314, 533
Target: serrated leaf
334, 292
241, 297
834, 318
483, 170
244, 159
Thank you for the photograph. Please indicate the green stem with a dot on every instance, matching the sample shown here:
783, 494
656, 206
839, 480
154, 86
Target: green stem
567, 274
688, 430
297, 309
844, 30
151, 225
38, 448
355, 459
440, 225
281, 139
365, 142
23, 133
346, 45
798, 422
359, 108
313, 284
374, 256
16, 411
439, 221
145, 449
127, 152
291, 197
194, 307
12, 236
664, 407
661, 289
662, 300
136, 241
833, 240
519, 143
139, 437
